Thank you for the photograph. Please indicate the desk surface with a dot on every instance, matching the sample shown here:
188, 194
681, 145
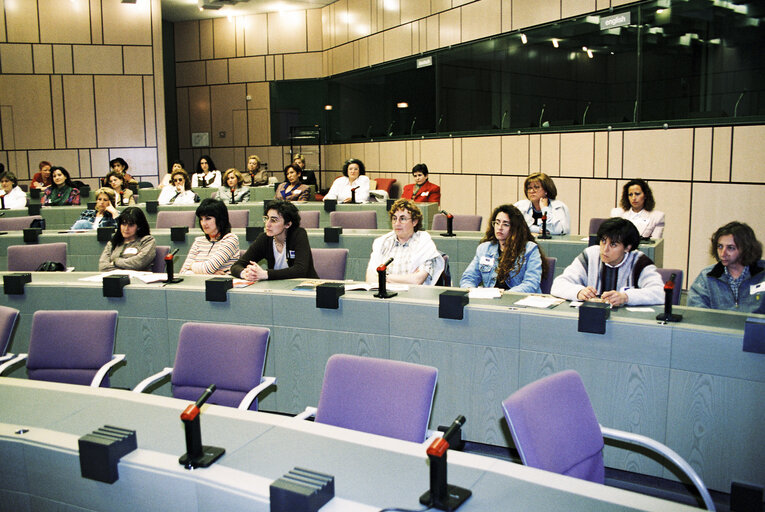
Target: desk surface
371, 472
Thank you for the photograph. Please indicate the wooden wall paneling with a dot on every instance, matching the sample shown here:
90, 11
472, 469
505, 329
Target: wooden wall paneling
432, 32
259, 127
183, 108
27, 98
206, 40
120, 117
437, 6
64, 22
483, 199
535, 153
482, 155
217, 71
457, 148
748, 160
86, 168
702, 154
97, 60
190, 73
3, 35
615, 154
79, 109
314, 30
721, 153
239, 132
287, 32
127, 23
16, 58
239, 24
99, 162
224, 158
413, 10
549, 154
142, 161
372, 156
479, 19
62, 59
515, 154
376, 49
415, 43
57, 111
658, 154
359, 19
270, 68
138, 60
674, 199
449, 28
571, 8
391, 14
598, 197
569, 192
42, 55
187, 41
458, 193
21, 25
577, 154
527, 13
397, 42
302, 65
149, 111
224, 38
601, 155
438, 155
505, 190
247, 69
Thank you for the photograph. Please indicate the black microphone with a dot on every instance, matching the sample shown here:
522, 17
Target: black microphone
172, 254
209, 391
448, 215
449, 223
385, 265
382, 278
454, 428
541, 114
353, 194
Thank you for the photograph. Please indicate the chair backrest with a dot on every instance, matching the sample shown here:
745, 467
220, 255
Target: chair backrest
159, 260
554, 427
379, 396
309, 219
385, 184
365, 219
445, 279
547, 282
239, 218
8, 318
666, 273
168, 219
26, 258
595, 223
460, 222
230, 356
145, 184
330, 263
70, 346
17, 223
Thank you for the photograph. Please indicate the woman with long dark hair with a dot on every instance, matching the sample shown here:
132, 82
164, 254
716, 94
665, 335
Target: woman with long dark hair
131, 247
218, 249
62, 192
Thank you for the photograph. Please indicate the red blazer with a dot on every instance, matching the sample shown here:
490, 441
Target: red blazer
428, 193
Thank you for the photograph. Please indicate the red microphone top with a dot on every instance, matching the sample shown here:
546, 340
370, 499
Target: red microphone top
191, 412
669, 285
438, 447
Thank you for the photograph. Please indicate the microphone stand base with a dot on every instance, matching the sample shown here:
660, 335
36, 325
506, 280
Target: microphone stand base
209, 455
448, 234
544, 237
455, 496
173, 281
669, 318
386, 295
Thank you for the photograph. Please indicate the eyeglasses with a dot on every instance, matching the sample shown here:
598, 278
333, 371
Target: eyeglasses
272, 220
401, 219
534, 186
178, 180
501, 224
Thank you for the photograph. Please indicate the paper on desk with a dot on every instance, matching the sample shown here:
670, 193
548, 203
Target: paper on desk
538, 301
641, 309
146, 277
484, 293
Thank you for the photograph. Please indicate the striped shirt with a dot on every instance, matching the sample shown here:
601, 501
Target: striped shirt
208, 257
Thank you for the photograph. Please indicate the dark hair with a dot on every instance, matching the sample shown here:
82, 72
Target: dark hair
292, 166
650, 202
420, 168
514, 254
119, 175
10, 177
121, 161
749, 248
131, 215
214, 208
411, 207
179, 162
210, 164
68, 181
186, 182
288, 211
620, 231
547, 184
43, 163
362, 169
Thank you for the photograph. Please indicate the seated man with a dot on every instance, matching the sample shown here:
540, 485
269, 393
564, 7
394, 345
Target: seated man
613, 272
726, 285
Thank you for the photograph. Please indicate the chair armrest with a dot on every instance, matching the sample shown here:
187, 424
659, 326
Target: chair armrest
309, 412
665, 451
9, 360
265, 382
104, 370
148, 381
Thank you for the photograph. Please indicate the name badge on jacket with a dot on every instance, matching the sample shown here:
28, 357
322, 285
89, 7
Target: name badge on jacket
130, 250
291, 255
424, 194
487, 260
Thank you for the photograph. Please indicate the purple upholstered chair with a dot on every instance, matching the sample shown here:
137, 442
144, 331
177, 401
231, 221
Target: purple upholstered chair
75, 347
330, 263
460, 222
595, 223
230, 356
8, 318
168, 219
159, 260
239, 218
554, 428
309, 219
547, 282
26, 258
362, 219
379, 396
17, 223
665, 275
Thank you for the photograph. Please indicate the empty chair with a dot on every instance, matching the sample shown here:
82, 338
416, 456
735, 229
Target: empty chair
595, 223
379, 396
26, 258
230, 356
17, 223
330, 263
75, 347
554, 428
665, 274
8, 317
546, 283
159, 260
460, 222
169, 219
385, 184
309, 219
239, 218
364, 219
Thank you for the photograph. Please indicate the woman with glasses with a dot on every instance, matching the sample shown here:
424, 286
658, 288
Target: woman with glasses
180, 192
283, 244
218, 249
508, 257
540, 200
416, 259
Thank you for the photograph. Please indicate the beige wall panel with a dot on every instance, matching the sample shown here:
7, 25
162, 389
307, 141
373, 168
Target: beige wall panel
413, 153
437, 6
422, 33
673, 199
372, 156
314, 30
361, 53
21, 24
99, 161
43, 58
568, 192
64, 22
481, 155
658, 154
416, 37
603, 4
449, 28
62, 59
748, 154
392, 156
504, 190
199, 109
96, 29
259, 127
550, 154
278, 67
616, 3
571, 8
527, 13
333, 156
150, 117
247, 69
30, 97
255, 34
457, 3
702, 154
16, 58
326, 24
286, 32
721, 151
615, 150
273, 155
142, 161
302, 65
577, 154
515, 154
535, 143
2, 28
239, 23
57, 106
61, 157
507, 15
458, 193
270, 72
457, 145
224, 38
126, 23
86, 168
97, 60
217, 71
359, 16
342, 58
182, 102
397, 42
480, 19
483, 204
376, 49
438, 155
413, 10
598, 197
224, 158
190, 73
119, 117
206, 41
391, 13
186, 40
224, 101
601, 154
79, 111
340, 22
138, 60
432, 33
260, 95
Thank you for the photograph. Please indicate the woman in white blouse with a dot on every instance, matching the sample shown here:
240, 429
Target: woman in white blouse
352, 178
13, 196
637, 206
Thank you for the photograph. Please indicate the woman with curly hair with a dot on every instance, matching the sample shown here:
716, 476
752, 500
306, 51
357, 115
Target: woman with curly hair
637, 206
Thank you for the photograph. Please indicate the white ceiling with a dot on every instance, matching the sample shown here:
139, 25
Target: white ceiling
185, 10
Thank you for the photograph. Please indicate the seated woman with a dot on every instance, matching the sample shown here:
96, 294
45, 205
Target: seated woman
422, 191
42, 178
121, 166
62, 192
283, 244
206, 174
168, 178
508, 257
306, 176
10, 192
123, 196
131, 247
416, 259
215, 252
180, 192
540, 199
352, 178
292, 188
234, 191
257, 177
637, 206
104, 215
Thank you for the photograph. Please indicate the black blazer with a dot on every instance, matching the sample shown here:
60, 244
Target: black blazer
299, 258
